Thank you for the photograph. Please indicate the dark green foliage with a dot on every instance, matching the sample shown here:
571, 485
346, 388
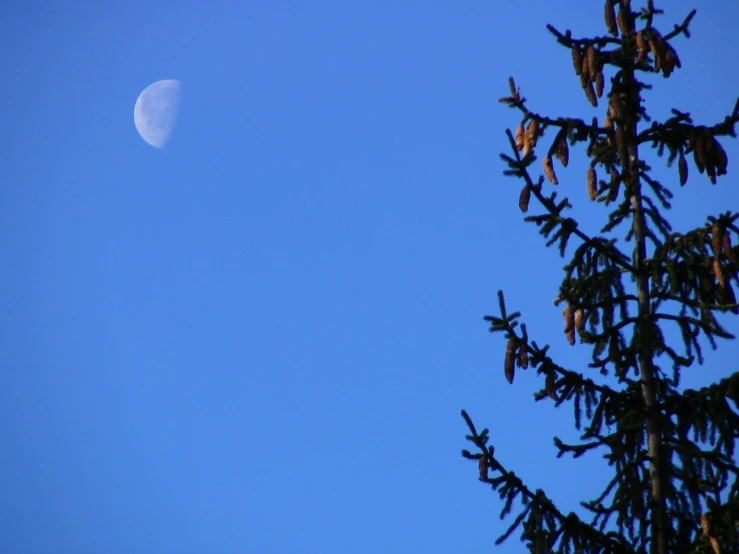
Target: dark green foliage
674, 487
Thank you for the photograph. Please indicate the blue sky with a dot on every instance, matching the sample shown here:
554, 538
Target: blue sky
258, 339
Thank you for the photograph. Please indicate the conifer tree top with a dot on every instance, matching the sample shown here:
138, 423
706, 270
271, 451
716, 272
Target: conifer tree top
626, 293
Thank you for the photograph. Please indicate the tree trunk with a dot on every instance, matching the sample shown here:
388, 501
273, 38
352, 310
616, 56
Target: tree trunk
645, 346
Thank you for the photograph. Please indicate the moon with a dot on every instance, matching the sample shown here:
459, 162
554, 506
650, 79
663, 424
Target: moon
156, 110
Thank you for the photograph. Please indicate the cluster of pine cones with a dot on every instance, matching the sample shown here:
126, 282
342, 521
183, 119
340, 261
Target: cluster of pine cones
720, 241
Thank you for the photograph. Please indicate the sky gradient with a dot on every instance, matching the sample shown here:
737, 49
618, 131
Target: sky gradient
259, 338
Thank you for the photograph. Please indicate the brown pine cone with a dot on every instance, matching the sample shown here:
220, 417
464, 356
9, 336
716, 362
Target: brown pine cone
657, 49
624, 21
530, 137
592, 57
584, 79
722, 160
563, 150
483, 468
682, 167
569, 318
523, 198
615, 179
692, 136
716, 238
710, 155
608, 122
642, 47
569, 324
621, 148
671, 60
615, 110
610, 16
592, 180
590, 93
523, 357
668, 66
699, 152
549, 170
510, 359
576, 59
711, 173
718, 271
579, 319
599, 84
519, 137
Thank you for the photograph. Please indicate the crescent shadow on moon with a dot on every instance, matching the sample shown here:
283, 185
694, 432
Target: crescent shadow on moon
156, 110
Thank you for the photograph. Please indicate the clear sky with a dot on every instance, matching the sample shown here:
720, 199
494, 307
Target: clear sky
258, 339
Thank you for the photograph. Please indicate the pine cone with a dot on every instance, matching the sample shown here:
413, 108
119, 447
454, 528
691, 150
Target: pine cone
523, 198
584, 79
671, 60
623, 19
549, 170
483, 467
590, 93
669, 65
569, 324
510, 359
599, 84
642, 47
550, 388
722, 160
715, 545
563, 150
610, 16
615, 110
571, 337
682, 167
726, 243
661, 46
711, 173
519, 137
692, 136
608, 122
711, 155
579, 319
592, 180
576, 59
705, 525
530, 137
615, 180
523, 357
592, 57
719, 273
716, 238
569, 318
621, 147
654, 48
699, 152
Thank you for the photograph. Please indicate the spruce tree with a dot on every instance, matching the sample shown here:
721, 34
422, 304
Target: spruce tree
644, 298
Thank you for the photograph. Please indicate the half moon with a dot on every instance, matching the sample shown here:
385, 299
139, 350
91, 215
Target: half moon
156, 110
